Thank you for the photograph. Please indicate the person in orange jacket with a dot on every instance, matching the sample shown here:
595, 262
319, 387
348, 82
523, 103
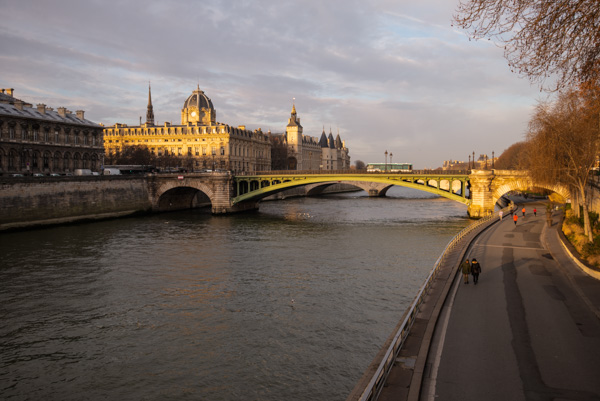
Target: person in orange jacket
515, 218
523, 212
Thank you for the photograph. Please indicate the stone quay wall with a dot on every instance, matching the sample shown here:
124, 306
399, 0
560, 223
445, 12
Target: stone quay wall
36, 201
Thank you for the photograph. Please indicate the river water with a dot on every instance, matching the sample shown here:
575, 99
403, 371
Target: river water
289, 303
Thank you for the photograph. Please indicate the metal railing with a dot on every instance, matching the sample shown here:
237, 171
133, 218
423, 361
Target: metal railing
375, 385
336, 172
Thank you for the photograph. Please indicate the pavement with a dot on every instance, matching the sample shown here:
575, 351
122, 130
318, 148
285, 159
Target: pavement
529, 330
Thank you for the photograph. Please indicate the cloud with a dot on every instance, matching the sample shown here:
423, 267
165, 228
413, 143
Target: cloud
390, 75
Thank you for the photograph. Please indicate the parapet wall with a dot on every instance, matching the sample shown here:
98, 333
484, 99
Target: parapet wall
41, 201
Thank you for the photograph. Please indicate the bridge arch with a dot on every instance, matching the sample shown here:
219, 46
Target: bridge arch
179, 195
373, 184
523, 184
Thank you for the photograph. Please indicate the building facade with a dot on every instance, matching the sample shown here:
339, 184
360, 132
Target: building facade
200, 139
311, 153
42, 140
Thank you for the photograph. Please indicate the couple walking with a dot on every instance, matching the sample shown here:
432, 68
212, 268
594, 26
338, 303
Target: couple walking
473, 268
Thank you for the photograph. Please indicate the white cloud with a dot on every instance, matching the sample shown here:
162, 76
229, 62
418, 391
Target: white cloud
390, 75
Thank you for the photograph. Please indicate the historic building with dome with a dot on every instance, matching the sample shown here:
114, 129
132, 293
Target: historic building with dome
208, 144
200, 139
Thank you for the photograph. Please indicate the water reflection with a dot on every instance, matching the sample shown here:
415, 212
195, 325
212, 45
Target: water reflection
191, 306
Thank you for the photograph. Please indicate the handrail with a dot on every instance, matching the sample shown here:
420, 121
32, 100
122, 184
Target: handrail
336, 172
373, 389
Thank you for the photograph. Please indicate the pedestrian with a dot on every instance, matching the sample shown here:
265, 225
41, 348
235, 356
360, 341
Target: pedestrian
475, 270
466, 270
534, 212
500, 214
515, 218
523, 211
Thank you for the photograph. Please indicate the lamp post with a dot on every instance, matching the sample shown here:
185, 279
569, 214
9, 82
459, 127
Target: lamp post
469, 162
492, 159
391, 166
473, 160
386, 153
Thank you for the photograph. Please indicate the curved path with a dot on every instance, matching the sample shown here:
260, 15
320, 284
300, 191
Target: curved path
530, 330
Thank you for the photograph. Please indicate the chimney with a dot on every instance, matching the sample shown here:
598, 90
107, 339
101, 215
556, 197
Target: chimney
19, 104
62, 111
80, 114
10, 91
41, 107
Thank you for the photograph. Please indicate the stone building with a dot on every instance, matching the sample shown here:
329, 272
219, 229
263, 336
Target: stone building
310, 153
42, 140
200, 139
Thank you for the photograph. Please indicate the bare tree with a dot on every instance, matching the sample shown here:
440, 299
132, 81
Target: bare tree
541, 38
512, 158
563, 141
360, 165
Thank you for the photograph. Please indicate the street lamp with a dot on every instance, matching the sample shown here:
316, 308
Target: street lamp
391, 167
469, 162
385, 153
492, 159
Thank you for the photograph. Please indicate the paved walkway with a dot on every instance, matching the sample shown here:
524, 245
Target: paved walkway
530, 330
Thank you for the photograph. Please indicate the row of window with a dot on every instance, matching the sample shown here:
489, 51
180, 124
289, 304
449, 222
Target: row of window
46, 160
33, 134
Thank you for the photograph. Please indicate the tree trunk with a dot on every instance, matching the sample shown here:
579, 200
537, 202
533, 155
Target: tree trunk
575, 204
587, 227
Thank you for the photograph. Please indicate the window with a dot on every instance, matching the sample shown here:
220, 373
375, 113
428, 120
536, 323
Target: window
56, 136
35, 134
46, 135
11, 132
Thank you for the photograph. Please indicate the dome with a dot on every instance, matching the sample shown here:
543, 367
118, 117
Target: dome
198, 100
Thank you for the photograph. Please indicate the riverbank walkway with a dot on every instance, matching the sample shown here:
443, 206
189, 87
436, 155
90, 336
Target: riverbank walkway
529, 330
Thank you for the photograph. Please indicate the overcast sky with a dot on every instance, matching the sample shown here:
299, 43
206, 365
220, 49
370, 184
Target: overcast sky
388, 75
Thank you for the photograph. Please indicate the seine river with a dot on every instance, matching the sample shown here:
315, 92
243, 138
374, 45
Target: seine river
289, 303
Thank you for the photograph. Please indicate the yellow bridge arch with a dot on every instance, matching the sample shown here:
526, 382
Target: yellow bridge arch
256, 187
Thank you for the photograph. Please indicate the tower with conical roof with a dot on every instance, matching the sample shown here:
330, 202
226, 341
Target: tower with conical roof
294, 138
149, 111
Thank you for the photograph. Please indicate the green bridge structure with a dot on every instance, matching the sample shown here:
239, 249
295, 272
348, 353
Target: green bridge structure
479, 190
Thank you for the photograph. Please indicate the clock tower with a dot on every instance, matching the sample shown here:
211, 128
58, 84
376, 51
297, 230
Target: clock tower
198, 109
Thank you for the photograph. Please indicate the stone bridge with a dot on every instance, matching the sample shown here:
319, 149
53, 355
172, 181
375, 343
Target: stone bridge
31, 201
479, 190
